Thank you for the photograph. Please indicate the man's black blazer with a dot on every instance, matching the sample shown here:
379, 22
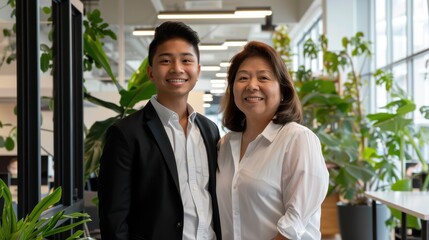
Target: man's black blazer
139, 194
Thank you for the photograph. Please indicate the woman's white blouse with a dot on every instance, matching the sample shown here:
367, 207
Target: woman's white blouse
278, 186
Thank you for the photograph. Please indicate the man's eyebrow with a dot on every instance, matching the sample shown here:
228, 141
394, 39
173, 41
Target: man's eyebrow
181, 54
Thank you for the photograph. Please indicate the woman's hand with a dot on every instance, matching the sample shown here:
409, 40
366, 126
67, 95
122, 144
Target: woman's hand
279, 237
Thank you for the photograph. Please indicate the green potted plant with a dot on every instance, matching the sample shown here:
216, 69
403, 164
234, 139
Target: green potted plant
333, 109
399, 141
350, 137
34, 225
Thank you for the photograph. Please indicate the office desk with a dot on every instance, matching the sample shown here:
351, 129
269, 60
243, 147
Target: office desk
412, 203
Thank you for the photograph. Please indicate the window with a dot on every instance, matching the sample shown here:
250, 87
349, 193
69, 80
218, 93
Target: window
421, 79
400, 74
399, 29
380, 33
402, 47
421, 25
314, 33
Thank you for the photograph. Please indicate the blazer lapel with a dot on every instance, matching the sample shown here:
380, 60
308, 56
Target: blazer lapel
161, 138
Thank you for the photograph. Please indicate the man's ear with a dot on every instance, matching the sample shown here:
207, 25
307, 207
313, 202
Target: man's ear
149, 72
199, 70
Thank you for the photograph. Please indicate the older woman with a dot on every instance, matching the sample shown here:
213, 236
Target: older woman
272, 176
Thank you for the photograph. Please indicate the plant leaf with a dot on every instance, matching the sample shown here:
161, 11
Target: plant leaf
45, 203
144, 91
9, 144
93, 48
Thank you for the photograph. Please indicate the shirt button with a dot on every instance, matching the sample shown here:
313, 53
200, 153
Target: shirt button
179, 224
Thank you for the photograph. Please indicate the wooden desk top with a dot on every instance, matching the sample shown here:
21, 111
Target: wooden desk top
413, 203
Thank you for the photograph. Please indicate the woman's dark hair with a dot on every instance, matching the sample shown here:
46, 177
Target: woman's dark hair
170, 30
289, 109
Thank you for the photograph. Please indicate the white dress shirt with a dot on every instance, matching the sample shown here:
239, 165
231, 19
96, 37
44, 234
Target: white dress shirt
278, 186
193, 170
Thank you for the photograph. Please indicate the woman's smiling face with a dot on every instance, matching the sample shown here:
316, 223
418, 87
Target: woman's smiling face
256, 89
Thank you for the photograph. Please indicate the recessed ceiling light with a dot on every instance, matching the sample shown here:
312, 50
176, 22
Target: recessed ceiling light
144, 32
210, 68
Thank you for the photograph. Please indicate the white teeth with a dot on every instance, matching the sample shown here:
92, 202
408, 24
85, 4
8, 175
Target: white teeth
253, 98
176, 80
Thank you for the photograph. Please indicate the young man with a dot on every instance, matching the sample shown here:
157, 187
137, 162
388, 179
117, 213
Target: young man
157, 173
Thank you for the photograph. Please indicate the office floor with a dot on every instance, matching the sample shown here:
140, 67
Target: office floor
336, 237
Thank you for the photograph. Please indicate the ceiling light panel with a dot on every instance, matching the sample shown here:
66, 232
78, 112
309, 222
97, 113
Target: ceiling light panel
239, 13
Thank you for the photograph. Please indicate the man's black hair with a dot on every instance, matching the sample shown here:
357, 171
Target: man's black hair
170, 30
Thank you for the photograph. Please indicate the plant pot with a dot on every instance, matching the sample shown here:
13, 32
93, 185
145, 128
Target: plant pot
329, 220
356, 221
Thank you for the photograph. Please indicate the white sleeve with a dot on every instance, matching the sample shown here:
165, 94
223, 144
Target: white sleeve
305, 181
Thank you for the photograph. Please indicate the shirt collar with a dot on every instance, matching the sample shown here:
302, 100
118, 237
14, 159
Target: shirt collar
271, 130
166, 114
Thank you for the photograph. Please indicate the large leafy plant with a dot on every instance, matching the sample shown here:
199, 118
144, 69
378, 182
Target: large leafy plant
399, 141
353, 140
139, 86
34, 225
333, 108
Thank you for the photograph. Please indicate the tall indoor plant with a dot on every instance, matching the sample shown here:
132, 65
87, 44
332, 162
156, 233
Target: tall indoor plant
333, 106
352, 139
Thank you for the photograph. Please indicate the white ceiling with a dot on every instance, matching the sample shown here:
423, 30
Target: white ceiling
143, 14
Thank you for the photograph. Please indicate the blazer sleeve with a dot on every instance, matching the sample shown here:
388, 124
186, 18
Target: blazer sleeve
115, 185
